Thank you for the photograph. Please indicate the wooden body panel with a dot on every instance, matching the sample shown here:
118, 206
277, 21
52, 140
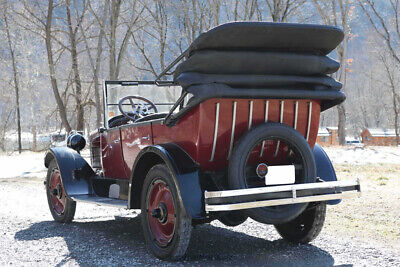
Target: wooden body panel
134, 139
112, 160
196, 130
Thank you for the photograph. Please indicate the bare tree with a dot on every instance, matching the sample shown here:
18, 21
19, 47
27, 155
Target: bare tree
390, 72
96, 63
386, 24
387, 28
72, 34
282, 10
117, 54
48, 39
337, 13
15, 78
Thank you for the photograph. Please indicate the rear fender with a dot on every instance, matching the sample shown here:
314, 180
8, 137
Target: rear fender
325, 169
75, 171
185, 173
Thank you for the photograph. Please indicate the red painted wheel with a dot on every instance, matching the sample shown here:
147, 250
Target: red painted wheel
62, 208
57, 192
161, 212
166, 225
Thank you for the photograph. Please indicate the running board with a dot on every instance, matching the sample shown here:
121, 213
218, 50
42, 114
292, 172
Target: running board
279, 195
101, 200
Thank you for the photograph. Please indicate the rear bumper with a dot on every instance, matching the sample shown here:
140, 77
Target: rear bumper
279, 195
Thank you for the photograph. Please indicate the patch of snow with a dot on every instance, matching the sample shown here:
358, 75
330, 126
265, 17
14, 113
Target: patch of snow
26, 164
31, 164
366, 155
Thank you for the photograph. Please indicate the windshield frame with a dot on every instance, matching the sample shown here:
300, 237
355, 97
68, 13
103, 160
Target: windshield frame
106, 90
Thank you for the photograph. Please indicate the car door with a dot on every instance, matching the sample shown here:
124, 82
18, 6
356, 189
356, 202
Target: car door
113, 162
134, 138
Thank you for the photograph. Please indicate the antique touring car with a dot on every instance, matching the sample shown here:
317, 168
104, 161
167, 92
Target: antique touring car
238, 142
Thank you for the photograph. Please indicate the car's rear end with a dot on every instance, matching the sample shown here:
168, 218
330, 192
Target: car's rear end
256, 92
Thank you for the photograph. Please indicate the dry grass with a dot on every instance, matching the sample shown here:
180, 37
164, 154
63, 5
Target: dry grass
376, 214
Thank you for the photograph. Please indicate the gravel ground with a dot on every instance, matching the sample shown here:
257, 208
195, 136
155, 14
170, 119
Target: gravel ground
107, 236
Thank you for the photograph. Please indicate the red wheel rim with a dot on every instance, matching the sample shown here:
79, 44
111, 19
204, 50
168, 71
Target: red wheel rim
160, 198
57, 192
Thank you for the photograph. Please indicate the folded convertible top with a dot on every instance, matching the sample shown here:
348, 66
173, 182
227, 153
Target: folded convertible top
258, 63
262, 60
260, 81
318, 39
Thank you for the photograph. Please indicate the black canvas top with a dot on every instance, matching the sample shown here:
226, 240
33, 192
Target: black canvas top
256, 62
319, 39
324, 82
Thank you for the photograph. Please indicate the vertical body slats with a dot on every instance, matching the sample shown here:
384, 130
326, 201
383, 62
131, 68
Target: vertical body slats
250, 113
309, 120
228, 119
215, 132
233, 128
296, 111
265, 120
282, 111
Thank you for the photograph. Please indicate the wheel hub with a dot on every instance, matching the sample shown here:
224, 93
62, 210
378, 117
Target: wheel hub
262, 170
161, 212
57, 193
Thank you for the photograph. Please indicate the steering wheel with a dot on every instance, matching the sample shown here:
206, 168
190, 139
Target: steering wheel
139, 109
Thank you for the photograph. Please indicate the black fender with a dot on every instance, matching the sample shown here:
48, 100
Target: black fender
185, 173
325, 169
74, 169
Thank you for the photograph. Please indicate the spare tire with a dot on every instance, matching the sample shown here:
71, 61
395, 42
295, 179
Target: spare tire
294, 149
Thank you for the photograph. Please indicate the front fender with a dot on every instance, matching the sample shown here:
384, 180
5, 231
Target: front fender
325, 169
185, 173
74, 169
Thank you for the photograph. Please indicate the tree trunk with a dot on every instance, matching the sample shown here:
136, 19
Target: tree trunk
34, 139
341, 124
396, 120
16, 85
77, 79
52, 71
115, 8
96, 71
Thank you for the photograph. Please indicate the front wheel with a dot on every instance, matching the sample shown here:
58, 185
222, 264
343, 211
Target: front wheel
306, 227
166, 225
62, 208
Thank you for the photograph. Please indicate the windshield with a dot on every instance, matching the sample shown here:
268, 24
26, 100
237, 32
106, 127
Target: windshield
164, 97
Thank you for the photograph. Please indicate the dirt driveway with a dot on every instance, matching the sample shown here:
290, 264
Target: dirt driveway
108, 236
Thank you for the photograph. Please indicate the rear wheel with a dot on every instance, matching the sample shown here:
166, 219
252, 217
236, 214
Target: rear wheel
166, 225
62, 208
271, 144
233, 218
306, 227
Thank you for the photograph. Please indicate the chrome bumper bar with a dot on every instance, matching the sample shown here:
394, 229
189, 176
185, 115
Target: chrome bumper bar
279, 195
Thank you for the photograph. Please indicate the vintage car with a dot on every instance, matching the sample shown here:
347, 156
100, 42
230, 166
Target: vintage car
238, 142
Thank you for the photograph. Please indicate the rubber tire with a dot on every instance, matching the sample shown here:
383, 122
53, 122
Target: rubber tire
313, 219
241, 149
70, 205
233, 218
177, 247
